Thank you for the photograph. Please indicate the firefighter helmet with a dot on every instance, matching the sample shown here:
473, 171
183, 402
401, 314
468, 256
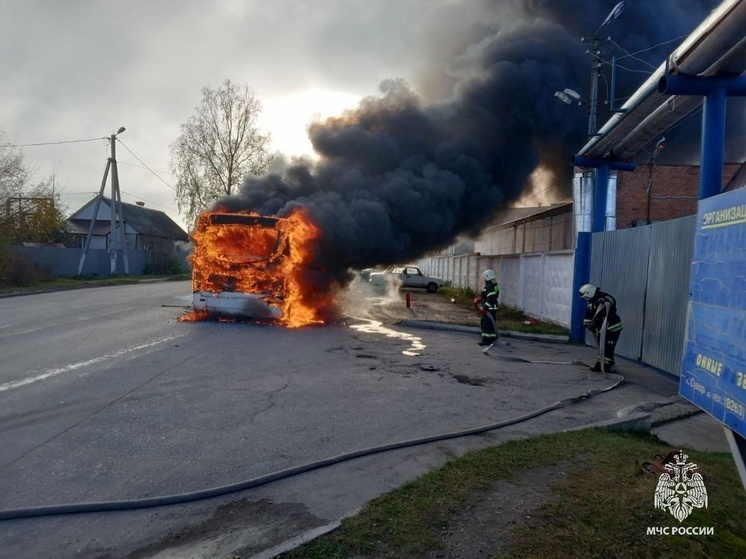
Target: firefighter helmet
588, 291
488, 275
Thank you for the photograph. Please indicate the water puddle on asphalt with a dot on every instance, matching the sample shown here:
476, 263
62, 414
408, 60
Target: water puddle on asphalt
375, 327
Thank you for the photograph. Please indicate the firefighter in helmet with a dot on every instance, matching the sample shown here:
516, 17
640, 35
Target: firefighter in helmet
602, 320
488, 306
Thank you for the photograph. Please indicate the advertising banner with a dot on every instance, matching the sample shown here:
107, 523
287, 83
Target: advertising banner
714, 364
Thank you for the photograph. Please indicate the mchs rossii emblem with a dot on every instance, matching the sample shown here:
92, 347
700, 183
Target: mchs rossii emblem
681, 490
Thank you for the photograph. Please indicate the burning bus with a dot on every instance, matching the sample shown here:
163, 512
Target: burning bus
248, 266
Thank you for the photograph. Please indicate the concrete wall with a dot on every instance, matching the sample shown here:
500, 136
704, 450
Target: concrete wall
538, 283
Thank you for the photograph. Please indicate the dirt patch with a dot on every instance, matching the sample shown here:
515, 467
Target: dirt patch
472, 381
484, 526
227, 532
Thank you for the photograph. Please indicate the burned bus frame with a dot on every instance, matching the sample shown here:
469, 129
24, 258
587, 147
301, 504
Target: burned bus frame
217, 291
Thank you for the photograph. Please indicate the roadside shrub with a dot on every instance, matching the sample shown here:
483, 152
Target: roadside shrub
174, 265
16, 271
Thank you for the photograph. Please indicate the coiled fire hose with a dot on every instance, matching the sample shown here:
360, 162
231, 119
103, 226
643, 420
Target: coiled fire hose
105, 506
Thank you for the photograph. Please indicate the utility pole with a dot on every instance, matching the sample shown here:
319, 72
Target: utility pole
595, 70
115, 211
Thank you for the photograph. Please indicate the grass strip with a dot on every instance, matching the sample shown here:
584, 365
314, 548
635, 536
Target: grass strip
508, 318
79, 282
599, 508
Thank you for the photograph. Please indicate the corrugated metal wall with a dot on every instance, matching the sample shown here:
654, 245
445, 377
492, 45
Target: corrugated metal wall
64, 262
647, 270
545, 234
619, 264
671, 249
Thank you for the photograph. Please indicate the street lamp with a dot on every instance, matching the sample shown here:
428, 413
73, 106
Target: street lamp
568, 96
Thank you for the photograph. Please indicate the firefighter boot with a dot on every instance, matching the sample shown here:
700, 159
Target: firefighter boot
596, 368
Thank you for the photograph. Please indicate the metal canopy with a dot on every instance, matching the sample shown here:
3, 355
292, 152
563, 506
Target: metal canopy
716, 48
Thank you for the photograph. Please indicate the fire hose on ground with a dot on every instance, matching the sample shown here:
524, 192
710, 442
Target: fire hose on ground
133, 504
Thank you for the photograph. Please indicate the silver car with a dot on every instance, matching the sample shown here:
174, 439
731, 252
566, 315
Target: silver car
406, 276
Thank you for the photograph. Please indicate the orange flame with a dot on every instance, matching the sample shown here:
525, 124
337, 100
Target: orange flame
270, 258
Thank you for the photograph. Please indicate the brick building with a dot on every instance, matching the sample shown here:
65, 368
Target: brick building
660, 192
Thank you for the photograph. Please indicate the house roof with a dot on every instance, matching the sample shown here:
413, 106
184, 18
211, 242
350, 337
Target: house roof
145, 221
80, 227
512, 216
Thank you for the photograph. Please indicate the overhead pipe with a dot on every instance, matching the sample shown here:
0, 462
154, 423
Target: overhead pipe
702, 85
651, 127
715, 90
675, 108
578, 160
717, 45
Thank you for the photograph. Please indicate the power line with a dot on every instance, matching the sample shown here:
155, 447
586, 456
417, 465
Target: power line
141, 167
148, 201
648, 48
144, 165
536, 193
633, 56
51, 143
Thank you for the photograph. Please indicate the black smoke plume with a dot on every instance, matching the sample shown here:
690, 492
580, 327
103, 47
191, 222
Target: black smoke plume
398, 177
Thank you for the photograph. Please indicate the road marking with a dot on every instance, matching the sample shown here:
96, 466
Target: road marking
73, 366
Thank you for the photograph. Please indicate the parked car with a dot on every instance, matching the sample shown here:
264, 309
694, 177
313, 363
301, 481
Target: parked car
406, 276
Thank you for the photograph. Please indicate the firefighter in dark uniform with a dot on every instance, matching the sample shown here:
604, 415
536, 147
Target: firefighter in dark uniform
488, 302
602, 320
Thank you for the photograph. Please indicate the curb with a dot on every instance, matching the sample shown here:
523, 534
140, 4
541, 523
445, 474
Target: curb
627, 421
445, 326
637, 422
297, 541
77, 287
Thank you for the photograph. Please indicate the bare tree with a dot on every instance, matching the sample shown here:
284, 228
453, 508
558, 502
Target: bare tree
218, 146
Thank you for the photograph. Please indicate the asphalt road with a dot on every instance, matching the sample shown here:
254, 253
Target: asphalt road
105, 395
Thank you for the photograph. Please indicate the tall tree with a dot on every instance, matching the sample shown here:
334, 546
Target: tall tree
13, 171
28, 212
218, 146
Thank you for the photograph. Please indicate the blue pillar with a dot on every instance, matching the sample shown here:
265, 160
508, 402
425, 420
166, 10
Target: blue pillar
582, 271
582, 274
713, 144
600, 192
